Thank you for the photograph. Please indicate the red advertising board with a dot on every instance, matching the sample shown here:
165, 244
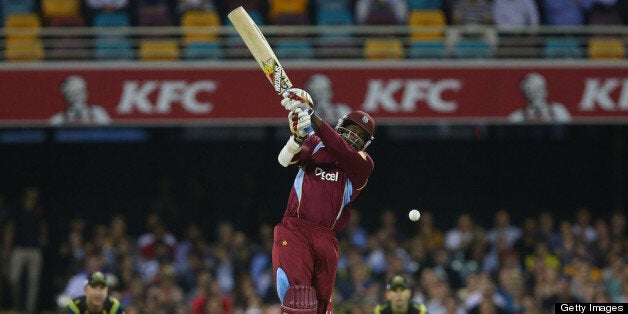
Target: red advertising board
239, 94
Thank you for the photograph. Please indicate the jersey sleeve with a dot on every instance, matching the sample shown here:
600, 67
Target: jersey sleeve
71, 308
378, 308
357, 164
116, 307
307, 149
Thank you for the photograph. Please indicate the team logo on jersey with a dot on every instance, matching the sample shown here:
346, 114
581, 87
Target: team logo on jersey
326, 176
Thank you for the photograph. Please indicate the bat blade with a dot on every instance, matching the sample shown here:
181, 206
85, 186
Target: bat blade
260, 49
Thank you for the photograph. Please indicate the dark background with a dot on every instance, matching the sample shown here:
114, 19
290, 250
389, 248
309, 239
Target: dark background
231, 173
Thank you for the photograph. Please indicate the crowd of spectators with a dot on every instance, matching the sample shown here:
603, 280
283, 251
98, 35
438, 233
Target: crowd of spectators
465, 265
457, 12
502, 14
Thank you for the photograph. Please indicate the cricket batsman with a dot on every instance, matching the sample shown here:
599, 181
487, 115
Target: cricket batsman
333, 168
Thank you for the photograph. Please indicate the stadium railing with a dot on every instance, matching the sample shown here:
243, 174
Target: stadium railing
319, 42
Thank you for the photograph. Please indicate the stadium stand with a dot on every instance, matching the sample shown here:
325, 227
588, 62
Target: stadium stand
113, 48
424, 49
24, 50
110, 44
340, 17
332, 5
472, 49
562, 48
289, 12
23, 26
111, 19
430, 19
379, 48
606, 48
294, 49
203, 50
154, 13
338, 37
53, 8
8, 7
193, 21
425, 4
158, 50
66, 21
23, 41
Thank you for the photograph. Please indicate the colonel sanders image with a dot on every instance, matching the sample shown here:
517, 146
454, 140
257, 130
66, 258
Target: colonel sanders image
537, 108
78, 111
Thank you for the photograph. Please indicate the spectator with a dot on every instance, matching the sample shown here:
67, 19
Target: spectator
613, 277
459, 238
261, 264
157, 233
95, 7
437, 291
381, 12
503, 230
507, 13
208, 298
472, 12
194, 5
26, 233
529, 235
165, 296
582, 227
485, 298
564, 12
603, 12
445, 270
618, 225
107, 5
541, 255
190, 254
546, 231
428, 233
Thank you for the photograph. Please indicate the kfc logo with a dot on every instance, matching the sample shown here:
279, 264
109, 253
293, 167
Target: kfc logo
380, 95
136, 97
608, 94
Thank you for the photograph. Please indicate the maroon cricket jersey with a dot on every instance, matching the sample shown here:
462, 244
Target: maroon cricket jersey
331, 175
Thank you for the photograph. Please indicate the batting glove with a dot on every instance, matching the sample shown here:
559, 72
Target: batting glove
300, 123
295, 98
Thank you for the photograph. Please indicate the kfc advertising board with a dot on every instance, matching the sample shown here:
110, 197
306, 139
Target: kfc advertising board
238, 93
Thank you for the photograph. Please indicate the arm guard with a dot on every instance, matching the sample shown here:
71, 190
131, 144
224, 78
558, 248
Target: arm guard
288, 152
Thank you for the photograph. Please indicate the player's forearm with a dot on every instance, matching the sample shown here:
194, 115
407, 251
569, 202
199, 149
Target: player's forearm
316, 121
288, 152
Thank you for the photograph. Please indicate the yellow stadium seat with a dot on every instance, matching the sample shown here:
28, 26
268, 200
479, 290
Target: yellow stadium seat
24, 50
287, 7
22, 26
192, 21
427, 18
606, 48
383, 49
50, 8
158, 50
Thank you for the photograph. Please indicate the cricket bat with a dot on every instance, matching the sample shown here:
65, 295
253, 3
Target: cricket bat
260, 49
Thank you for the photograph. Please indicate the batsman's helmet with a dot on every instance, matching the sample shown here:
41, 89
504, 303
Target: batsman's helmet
361, 119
